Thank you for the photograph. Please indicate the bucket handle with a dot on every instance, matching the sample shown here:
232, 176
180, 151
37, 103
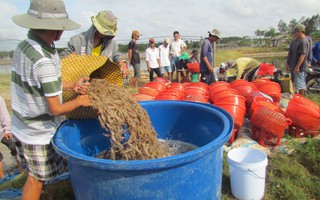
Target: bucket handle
256, 174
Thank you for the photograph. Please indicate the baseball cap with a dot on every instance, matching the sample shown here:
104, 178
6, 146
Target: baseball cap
151, 40
167, 40
223, 66
299, 27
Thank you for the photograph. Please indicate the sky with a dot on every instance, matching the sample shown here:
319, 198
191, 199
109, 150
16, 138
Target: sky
159, 18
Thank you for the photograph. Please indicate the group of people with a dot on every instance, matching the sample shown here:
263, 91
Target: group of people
36, 86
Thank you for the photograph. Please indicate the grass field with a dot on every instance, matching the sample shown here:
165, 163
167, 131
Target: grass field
294, 176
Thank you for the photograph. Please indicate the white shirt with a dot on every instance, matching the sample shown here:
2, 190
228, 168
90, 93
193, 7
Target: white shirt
164, 55
176, 47
217, 75
152, 55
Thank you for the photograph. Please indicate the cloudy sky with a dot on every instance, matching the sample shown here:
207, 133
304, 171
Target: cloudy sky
159, 18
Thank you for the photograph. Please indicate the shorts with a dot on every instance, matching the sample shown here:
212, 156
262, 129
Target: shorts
182, 65
166, 69
136, 71
300, 81
10, 144
174, 63
43, 162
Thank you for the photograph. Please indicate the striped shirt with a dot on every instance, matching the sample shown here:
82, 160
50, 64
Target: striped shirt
36, 74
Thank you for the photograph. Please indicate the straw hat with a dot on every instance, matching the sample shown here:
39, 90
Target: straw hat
47, 15
106, 23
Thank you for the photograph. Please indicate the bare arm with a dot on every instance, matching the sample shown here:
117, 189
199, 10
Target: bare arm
57, 108
130, 56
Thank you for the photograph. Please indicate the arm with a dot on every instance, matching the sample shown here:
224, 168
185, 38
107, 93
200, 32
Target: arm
5, 119
130, 53
301, 59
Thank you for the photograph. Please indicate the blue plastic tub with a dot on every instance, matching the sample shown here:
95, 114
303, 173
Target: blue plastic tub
196, 174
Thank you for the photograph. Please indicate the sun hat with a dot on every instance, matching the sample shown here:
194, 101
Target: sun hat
46, 15
106, 23
215, 32
167, 40
231, 63
151, 40
299, 27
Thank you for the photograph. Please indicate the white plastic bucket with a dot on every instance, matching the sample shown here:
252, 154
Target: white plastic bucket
247, 168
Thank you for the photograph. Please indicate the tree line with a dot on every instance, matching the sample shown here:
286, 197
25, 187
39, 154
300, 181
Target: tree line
263, 38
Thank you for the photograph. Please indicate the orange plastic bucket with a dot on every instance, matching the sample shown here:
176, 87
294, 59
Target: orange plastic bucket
234, 98
303, 116
299, 99
269, 123
199, 85
143, 97
190, 90
245, 88
149, 91
236, 111
193, 67
222, 93
177, 86
238, 82
197, 98
272, 89
156, 85
258, 81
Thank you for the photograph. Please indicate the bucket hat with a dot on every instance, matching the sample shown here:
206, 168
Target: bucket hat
46, 15
215, 32
106, 23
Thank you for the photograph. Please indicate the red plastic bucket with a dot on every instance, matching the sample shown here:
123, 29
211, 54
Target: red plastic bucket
245, 88
193, 67
222, 93
143, 97
238, 82
234, 98
149, 91
156, 85
299, 99
177, 86
236, 111
258, 81
197, 98
272, 89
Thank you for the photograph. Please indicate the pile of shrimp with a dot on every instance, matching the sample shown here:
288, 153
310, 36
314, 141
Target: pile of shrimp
128, 125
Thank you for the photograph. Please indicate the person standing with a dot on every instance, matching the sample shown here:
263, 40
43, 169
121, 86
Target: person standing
206, 57
194, 56
164, 58
36, 92
297, 60
178, 46
134, 57
98, 39
5, 134
153, 60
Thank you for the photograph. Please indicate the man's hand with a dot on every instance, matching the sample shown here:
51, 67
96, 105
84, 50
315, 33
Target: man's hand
81, 86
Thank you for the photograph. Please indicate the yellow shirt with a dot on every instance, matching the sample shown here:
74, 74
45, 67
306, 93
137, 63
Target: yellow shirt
96, 51
245, 63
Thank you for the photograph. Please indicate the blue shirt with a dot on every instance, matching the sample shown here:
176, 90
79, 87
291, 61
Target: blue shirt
206, 51
316, 52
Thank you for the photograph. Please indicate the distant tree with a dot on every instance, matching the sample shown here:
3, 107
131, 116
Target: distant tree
282, 27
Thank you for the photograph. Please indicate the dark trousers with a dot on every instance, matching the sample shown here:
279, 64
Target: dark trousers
207, 77
156, 70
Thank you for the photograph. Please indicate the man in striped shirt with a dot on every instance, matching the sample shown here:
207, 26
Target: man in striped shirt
36, 91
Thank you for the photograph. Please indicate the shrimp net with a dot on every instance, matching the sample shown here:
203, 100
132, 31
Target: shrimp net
128, 125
